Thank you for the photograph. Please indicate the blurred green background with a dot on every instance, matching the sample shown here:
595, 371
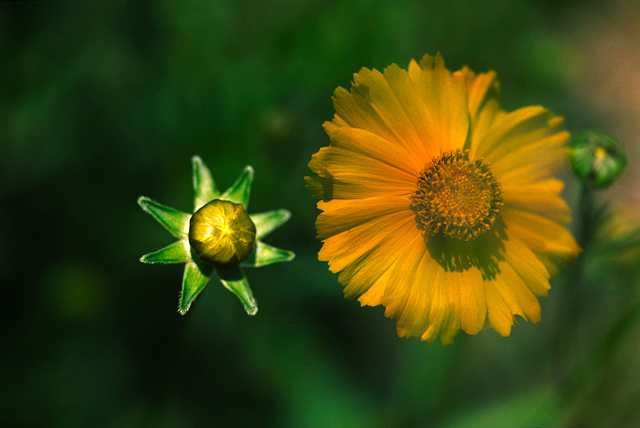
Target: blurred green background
102, 102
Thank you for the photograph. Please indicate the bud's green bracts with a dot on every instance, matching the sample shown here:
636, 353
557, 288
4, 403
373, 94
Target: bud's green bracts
219, 239
222, 233
597, 159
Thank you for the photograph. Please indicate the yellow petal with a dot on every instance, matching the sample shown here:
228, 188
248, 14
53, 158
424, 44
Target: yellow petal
342, 215
450, 300
346, 247
507, 296
375, 147
442, 320
540, 198
498, 313
374, 295
417, 112
540, 234
321, 186
366, 252
527, 266
484, 102
514, 124
441, 311
352, 175
553, 264
445, 97
528, 137
407, 291
372, 105
538, 158
482, 88
472, 303
394, 98
354, 110
518, 296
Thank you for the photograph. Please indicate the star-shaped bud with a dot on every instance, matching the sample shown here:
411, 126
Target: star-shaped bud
220, 238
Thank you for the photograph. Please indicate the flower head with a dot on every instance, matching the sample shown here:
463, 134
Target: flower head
439, 205
219, 238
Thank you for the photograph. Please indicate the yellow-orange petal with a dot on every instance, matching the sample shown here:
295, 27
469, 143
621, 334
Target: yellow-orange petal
372, 105
472, 300
514, 124
426, 139
527, 266
348, 246
542, 198
373, 295
364, 253
484, 105
483, 93
394, 98
442, 319
523, 301
540, 234
354, 109
499, 314
369, 144
343, 215
540, 158
513, 137
441, 311
406, 293
354, 175
445, 96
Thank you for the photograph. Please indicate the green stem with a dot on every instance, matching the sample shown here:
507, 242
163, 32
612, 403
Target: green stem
584, 368
571, 300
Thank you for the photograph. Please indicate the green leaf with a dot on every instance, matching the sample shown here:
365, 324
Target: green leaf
239, 192
195, 278
203, 185
265, 255
233, 278
176, 222
178, 252
267, 222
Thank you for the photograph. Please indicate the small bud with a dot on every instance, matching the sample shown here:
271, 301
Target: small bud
597, 159
222, 233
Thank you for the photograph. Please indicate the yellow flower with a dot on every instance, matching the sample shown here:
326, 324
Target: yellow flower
439, 205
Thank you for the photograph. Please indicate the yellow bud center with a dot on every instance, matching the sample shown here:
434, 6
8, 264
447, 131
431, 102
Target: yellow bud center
222, 233
456, 197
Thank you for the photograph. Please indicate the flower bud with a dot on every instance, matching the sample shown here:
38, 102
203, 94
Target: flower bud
597, 159
222, 233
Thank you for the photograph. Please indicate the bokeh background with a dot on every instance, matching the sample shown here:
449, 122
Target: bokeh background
102, 102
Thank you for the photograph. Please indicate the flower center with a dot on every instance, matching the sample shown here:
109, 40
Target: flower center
456, 196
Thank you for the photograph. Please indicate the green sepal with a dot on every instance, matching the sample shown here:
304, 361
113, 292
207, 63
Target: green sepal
234, 280
178, 252
265, 255
195, 278
267, 222
204, 187
176, 222
239, 192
